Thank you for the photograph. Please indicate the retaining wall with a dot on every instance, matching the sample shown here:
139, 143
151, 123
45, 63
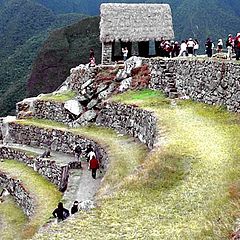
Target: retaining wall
57, 140
210, 81
18, 191
56, 174
128, 119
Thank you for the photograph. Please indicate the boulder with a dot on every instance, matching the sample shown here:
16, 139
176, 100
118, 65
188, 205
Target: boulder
87, 116
74, 107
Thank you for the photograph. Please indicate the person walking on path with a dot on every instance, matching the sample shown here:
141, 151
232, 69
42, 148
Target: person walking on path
90, 153
94, 166
74, 208
78, 152
60, 212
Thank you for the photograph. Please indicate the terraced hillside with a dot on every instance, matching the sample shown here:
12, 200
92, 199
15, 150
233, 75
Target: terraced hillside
186, 188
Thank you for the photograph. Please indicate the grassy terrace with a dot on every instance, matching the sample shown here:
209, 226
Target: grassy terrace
14, 224
59, 97
188, 188
12, 219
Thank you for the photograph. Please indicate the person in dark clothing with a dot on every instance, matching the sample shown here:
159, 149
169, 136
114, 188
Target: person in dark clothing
60, 212
74, 208
237, 46
91, 55
209, 46
94, 165
78, 152
46, 154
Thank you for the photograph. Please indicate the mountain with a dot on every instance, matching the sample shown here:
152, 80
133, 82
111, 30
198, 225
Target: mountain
24, 26
64, 49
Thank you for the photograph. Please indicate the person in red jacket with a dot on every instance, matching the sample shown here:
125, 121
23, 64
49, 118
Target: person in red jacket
94, 165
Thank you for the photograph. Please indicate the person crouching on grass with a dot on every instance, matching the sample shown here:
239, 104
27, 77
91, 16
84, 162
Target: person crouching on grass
94, 165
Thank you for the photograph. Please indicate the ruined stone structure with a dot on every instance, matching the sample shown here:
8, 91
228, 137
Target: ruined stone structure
129, 24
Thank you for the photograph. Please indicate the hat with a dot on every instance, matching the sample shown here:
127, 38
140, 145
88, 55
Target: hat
238, 34
190, 39
75, 203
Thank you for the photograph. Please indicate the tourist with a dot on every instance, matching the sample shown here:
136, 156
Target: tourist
125, 53
176, 49
90, 153
209, 47
78, 152
183, 49
91, 55
60, 212
237, 46
161, 47
196, 47
94, 165
74, 208
167, 49
219, 45
46, 153
190, 47
229, 45
92, 62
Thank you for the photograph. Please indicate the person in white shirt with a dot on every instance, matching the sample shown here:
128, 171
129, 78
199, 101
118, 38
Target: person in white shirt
196, 47
190, 47
183, 49
125, 53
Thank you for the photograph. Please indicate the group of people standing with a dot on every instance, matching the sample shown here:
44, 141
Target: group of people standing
171, 49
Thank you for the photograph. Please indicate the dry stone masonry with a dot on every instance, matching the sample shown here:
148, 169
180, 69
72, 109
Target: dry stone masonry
57, 140
19, 192
129, 120
210, 81
55, 173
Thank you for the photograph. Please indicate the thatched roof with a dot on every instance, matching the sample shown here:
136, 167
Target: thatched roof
135, 22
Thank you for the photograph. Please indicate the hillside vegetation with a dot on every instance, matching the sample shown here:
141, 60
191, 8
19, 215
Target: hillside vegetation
24, 26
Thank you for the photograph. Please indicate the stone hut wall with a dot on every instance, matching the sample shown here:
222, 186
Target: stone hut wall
208, 81
129, 120
18, 191
57, 140
56, 174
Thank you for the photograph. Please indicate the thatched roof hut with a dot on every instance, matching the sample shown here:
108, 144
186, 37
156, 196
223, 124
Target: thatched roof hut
133, 23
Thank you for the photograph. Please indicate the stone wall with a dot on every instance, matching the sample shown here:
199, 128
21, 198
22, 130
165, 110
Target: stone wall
106, 53
129, 120
18, 191
51, 110
210, 81
56, 174
57, 140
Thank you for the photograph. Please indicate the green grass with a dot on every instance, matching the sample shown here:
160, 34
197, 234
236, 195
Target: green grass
59, 97
45, 194
12, 219
188, 188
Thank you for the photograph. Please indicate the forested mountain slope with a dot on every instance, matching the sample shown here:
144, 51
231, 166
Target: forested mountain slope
24, 25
